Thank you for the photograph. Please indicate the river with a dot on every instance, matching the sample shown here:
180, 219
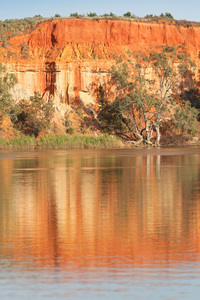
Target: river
100, 224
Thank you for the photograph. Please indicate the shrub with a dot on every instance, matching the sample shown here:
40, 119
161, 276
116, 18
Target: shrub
140, 104
110, 114
91, 15
74, 15
168, 15
7, 81
35, 115
12, 27
70, 130
127, 15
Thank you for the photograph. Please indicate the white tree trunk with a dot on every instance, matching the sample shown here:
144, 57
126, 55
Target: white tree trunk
158, 135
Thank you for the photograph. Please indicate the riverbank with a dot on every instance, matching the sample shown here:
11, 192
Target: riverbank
105, 141
60, 141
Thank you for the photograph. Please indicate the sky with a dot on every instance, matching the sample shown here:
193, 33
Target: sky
180, 9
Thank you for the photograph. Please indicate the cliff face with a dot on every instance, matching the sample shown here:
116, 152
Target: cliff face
69, 58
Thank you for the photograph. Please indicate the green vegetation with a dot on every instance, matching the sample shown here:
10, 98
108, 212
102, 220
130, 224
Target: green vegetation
168, 15
28, 116
13, 27
104, 141
143, 106
128, 14
61, 141
24, 141
7, 81
185, 118
193, 96
109, 114
74, 15
92, 14
57, 16
34, 116
109, 15
162, 16
147, 104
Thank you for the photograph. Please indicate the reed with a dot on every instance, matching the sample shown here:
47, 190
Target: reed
24, 142
60, 141
80, 142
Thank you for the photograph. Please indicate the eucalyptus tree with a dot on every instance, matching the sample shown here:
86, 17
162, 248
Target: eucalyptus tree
146, 87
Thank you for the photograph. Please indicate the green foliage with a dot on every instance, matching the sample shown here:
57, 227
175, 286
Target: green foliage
78, 142
70, 130
108, 15
57, 16
111, 15
60, 141
127, 15
13, 27
68, 123
35, 115
7, 81
74, 15
186, 117
92, 14
192, 95
162, 16
149, 16
110, 114
168, 15
23, 141
142, 104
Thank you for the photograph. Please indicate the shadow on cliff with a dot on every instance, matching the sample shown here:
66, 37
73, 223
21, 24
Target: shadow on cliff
50, 78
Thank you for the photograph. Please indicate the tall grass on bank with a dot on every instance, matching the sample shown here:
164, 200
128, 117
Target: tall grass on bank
24, 142
79, 142
61, 141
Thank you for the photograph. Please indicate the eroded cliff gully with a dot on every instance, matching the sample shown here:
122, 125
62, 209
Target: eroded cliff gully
69, 58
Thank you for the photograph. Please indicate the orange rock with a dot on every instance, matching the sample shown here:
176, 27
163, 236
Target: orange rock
67, 56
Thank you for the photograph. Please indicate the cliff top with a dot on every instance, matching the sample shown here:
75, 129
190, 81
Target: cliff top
13, 27
79, 39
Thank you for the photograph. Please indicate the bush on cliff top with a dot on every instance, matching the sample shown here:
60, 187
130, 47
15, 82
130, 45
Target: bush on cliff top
13, 27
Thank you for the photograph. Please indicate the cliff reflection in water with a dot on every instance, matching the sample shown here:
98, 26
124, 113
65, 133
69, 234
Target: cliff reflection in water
91, 209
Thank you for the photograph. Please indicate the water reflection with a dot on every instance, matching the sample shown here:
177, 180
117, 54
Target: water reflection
91, 211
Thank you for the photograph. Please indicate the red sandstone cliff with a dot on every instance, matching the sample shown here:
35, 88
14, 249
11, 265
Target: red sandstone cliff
69, 58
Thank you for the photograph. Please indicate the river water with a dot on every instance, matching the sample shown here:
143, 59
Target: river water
100, 224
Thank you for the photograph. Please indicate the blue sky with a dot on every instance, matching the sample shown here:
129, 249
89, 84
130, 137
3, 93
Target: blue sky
16, 9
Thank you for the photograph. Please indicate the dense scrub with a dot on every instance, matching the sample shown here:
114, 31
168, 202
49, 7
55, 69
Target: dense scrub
13, 27
144, 107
